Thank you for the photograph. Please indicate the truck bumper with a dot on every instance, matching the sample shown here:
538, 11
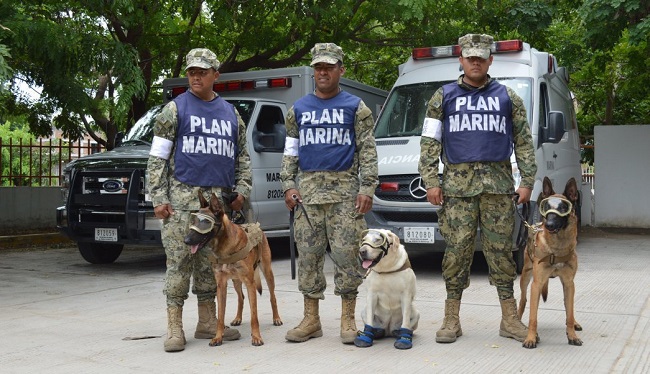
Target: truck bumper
403, 220
143, 230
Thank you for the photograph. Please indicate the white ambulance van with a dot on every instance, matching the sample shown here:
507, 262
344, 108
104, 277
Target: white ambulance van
400, 201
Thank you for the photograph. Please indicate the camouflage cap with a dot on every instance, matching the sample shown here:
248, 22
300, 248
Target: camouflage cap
201, 58
478, 45
328, 53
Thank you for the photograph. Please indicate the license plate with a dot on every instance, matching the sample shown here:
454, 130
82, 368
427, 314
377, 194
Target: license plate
424, 235
106, 235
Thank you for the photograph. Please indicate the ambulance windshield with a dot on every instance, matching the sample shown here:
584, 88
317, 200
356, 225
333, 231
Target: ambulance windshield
406, 106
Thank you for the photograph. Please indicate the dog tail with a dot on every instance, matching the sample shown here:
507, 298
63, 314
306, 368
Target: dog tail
258, 280
545, 291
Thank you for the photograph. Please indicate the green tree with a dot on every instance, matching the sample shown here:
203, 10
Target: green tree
98, 61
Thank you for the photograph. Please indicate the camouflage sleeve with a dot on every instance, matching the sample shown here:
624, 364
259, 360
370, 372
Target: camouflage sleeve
289, 169
523, 141
430, 148
158, 168
366, 149
243, 173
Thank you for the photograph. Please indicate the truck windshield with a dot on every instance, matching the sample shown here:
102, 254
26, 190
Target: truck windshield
406, 106
142, 131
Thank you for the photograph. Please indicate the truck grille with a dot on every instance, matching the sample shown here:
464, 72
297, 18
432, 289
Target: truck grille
423, 217
403, 194
115, 185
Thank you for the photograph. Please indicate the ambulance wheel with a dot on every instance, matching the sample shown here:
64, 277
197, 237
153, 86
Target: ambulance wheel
96, 253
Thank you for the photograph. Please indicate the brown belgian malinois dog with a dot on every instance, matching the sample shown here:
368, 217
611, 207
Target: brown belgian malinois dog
239, 253
551, 252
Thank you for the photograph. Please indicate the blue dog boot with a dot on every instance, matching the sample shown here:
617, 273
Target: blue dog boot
365, 337
404, 339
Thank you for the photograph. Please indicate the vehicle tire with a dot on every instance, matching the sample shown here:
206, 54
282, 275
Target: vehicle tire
96, 253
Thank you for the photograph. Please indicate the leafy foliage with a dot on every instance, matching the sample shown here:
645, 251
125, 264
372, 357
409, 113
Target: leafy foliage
99, 64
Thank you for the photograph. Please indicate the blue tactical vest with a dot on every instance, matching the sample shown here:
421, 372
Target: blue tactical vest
326, 129
477, 124
206, 141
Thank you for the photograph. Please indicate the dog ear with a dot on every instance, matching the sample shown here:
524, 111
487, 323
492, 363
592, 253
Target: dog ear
202, 200
547, 189
215, 205
571, 190
394, 239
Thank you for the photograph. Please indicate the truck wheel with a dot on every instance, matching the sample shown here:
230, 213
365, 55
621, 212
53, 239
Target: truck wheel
97, 253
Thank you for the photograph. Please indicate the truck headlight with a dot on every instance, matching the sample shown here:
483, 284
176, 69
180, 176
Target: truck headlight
65, 184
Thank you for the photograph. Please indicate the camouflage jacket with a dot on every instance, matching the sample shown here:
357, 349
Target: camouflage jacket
473, 178
322, 187
164, 188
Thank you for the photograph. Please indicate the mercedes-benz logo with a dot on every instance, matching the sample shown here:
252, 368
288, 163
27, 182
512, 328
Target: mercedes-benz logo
417, 189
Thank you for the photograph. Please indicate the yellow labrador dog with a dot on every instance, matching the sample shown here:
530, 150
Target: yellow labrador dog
390, 284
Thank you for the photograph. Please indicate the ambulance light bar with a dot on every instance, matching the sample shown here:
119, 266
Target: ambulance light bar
503, 46
238, 85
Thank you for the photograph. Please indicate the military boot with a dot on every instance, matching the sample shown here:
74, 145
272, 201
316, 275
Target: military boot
206, 328
310, 326
511, 326
348, 325
450, 328
175, 340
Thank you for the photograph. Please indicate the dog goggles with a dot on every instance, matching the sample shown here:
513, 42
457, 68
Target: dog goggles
374, 239
558, 205
202, 223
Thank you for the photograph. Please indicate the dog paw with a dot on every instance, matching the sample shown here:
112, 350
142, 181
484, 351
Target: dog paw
236, 322
575, 341
257, 342
277, 322
530, 343
215, 342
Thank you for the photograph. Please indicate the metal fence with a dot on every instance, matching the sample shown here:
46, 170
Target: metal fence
39, 163
588, 175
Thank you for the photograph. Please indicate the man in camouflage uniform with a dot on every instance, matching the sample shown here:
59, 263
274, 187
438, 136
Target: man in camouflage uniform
182, 162
330, 166
473, 125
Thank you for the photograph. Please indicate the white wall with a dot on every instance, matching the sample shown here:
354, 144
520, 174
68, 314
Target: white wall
622, 176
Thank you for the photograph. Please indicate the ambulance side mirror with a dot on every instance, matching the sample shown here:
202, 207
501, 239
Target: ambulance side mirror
555, 130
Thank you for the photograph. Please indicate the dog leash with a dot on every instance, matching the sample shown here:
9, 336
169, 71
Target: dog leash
522, 235
236, 216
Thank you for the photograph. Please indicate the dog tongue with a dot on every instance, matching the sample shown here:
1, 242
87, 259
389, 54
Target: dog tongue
194, 248
366, 264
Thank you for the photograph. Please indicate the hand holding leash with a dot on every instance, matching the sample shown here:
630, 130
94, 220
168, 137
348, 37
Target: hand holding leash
236, 204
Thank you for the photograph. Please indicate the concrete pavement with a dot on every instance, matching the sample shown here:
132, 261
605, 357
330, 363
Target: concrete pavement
60, 314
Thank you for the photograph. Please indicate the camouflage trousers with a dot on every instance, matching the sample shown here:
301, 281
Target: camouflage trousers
182, 265
459, 220
338, 225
